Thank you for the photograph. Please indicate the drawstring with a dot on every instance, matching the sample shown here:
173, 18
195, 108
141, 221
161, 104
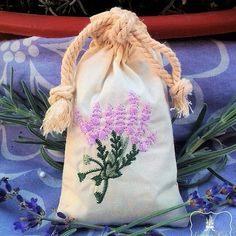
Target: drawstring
114, 27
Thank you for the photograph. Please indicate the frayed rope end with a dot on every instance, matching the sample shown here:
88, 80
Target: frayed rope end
179, 93
58, 117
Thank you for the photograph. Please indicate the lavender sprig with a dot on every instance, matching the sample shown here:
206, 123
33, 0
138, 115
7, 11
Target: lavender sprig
34, 215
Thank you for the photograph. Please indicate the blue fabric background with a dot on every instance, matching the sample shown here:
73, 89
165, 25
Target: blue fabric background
209, 63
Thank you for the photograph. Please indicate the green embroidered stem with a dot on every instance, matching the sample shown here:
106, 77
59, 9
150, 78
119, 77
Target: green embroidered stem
102, 152
112, 162
95, 161
130, 157
116, 145
82, 175
100, 195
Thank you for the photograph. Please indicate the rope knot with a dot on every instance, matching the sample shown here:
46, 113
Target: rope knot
122, 24
179, 92
65, 92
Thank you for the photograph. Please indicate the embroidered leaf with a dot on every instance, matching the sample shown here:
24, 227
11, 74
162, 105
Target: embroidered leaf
112, 163
81, 176
124, 142
115, 174
102, 153
111, 170
126, 123
98, 180
90, 159
111, 159
86, 159
116, 145
131, 156
98, 196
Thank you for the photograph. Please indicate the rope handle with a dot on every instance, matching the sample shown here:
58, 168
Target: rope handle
120, 27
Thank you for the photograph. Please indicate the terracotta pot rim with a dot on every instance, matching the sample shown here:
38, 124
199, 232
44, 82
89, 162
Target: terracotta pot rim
160, 27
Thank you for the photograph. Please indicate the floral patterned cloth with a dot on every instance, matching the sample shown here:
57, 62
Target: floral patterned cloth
209, 63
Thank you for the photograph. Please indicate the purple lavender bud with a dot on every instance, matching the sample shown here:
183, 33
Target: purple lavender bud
19, 198
61, 215
21, 225
206, 208
8, 187
97, 108
214, 199
109, 118
109, 121
154, 233
4, 179
142, 147
214, 190
130, 130
195, 201
133, 110
226, 189
83, 128
231, 199
77, 117
133, 98
151, 138
91, 140
88, 126
92, 136
102, 135
119, 129
146, 113
95, 120
120, 118
135, 139
132, 118
107, 130
109, 111
3, 194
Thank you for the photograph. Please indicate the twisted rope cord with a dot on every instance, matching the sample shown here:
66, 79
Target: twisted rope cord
114, 27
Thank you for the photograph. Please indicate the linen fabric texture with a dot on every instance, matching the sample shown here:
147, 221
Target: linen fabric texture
119, 158
106, 76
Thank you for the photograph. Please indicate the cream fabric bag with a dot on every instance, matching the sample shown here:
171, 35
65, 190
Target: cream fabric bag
119, 159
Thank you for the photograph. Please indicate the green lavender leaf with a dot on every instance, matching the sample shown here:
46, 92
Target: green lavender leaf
29, 97
44, 98
50, 161
69, 232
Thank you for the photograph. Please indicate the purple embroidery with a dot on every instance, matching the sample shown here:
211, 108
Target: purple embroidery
131, 121
120, 125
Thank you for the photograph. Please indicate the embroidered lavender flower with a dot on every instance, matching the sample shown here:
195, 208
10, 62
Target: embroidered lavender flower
125, 128
109, 123
120, 118
131, 122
